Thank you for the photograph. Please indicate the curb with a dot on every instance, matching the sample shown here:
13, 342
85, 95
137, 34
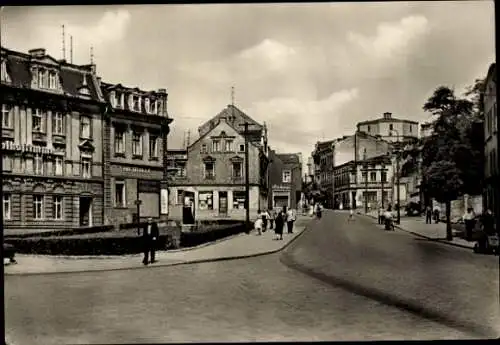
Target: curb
227, 258
422, 236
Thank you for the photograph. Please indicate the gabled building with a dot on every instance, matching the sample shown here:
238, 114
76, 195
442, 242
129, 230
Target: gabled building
136, 127
215, 168
52, 148
285, 179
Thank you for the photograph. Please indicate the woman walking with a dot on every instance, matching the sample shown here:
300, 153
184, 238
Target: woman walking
278, 225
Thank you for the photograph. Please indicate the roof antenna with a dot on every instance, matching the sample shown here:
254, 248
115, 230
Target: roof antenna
91, 55
71, 49
63, 43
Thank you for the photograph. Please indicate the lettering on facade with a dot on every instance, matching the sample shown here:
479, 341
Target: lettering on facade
164, 201
10, 146
137, 170
281, 187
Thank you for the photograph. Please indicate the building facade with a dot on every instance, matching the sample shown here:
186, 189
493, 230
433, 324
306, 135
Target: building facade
364, 182
136, 127
391, 129
215, 168
52, 149
285, 179
491, 168
323, 169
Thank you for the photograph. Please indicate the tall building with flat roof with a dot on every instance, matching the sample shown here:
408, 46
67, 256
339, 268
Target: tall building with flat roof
391, 129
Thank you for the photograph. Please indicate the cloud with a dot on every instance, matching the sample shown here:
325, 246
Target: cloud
391, 38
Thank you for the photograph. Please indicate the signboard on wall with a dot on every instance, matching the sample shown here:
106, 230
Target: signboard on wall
136, 172
164, 201
148, 186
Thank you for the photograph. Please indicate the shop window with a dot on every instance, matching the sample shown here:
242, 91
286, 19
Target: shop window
7, 206
205, 200
57, 207
239, 200
120, 197
38, 207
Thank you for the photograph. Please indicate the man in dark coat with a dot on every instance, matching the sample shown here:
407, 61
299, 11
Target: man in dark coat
279, 222
150, 236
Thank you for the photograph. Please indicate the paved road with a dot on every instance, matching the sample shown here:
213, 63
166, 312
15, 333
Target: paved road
251, 299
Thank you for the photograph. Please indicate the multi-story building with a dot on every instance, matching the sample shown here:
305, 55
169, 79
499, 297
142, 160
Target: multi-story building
491, 169
136, 127
323, 169
285, 179
52, 149
391, 129
309, 177
215, 168
364, 182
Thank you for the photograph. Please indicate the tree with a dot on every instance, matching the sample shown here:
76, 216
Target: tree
443, 180
451, 157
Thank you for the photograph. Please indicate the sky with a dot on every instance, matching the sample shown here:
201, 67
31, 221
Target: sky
309, 71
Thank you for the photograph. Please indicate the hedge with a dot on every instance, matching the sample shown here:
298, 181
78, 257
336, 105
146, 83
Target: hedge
197, 237
66, 232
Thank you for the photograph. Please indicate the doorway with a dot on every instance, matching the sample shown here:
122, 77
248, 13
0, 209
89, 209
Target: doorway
85, 211
223, 203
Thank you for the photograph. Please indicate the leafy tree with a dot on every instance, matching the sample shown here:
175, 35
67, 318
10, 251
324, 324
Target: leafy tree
452, 155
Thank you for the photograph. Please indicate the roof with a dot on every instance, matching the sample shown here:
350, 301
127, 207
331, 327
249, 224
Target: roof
71, 76
107, 88
240, 118
289, 158
380, 120
492, 73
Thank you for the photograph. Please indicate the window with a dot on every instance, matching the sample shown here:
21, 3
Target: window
58, 166
136, 101
37, 120
137, 144
242, 148
369, 128
120, 198
85, 127
3, 72
391, 127
209, 170
204, 148
38, 164
7, 206
52, 80
57, 124
287, 176
154, 108
180, 199
373, 176
411, 128
6, 117
146, 105
364, 175
86, 167
57, 207
205, 200
38, 207
239, 200
181, 170
237, 170
7, 162
229, 146
383, 176
153, 146
215, 146
119, 140
42, 79
122, 101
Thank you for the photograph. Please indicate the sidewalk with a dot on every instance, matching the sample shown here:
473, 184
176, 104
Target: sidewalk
234, 247
417, 227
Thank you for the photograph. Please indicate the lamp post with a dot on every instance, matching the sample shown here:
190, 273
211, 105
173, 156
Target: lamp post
397, 175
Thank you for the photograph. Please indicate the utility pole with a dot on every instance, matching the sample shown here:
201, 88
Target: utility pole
247, 179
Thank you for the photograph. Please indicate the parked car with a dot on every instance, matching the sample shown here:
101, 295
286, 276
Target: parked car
9, 252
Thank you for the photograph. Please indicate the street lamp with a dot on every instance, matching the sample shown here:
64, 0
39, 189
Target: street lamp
397, 174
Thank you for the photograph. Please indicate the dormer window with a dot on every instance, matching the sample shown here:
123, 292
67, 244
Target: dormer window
130, 102
113, 99
3, 72
42, 79
122, 101
139, 108
146, 105
84, 89
52, 80
153, 107
136, 103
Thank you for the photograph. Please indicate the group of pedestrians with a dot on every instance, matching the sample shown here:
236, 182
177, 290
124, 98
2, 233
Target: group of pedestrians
431, 214
276, 221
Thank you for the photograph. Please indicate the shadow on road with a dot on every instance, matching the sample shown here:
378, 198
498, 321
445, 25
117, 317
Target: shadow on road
388, 297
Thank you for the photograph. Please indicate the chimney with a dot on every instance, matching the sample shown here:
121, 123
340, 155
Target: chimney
387, 115
162, 91
38, 52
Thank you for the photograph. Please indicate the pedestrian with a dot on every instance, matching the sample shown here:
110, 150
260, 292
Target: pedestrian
318, 210
428, 215
279, 223
258, 223
436, 214
265, 220
150, 235
469, 223
272, 217
290, 219
381, 215
388, 219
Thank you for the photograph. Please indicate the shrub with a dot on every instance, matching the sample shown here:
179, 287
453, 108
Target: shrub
209, 234
66, 232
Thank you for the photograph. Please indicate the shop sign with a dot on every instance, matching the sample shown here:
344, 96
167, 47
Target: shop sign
148, 186
281, 187
10, 146
137, 172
